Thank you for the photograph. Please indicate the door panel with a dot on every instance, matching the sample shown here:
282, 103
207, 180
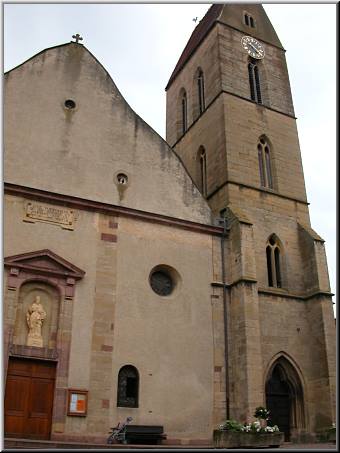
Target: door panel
279, 407
29, 398
40, 407
17, 392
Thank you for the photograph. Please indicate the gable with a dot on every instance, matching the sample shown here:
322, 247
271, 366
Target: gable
81, 151
44, 262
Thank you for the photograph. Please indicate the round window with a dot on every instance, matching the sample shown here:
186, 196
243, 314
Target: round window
122, 179
69, 104
161, 282
164, 280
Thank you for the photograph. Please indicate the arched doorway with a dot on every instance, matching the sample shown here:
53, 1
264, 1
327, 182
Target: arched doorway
284, 398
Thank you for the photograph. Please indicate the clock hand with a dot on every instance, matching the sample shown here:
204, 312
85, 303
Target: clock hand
252, 45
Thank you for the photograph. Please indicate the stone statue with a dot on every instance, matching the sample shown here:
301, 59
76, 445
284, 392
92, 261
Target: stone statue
35, 317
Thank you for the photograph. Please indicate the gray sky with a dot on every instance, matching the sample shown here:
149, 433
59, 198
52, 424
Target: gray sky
139, 45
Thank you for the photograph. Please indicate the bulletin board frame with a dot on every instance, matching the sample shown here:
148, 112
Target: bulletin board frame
77, 402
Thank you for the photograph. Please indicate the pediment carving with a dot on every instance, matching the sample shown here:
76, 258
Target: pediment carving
44, 262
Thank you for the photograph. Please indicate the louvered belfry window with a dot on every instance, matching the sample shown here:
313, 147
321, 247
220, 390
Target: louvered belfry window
254, 82
202, 156
265, 166
200, 87
184, 112
273, 262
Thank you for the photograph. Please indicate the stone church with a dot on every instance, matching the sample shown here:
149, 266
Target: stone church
178, 282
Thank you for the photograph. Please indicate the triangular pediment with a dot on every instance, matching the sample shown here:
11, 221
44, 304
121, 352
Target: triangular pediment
46, 262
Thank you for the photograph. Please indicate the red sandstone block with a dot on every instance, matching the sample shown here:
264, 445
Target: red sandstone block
105, 404
107, 348
109, 237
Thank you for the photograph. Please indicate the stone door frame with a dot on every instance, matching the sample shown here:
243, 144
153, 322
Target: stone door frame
45, 267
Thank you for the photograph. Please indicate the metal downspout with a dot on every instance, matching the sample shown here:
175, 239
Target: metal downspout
225, 318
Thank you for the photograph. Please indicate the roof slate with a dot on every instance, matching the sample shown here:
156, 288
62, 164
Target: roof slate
231, 15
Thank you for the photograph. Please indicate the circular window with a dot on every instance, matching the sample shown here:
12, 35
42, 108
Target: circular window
164, 280
69, 104
122, 179
162, 283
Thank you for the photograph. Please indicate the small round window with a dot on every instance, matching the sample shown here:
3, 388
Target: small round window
69, 104
162, 283
122, 179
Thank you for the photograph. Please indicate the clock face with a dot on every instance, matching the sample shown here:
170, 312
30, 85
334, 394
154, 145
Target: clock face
253, 47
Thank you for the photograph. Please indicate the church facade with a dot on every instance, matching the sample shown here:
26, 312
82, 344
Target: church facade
178, 282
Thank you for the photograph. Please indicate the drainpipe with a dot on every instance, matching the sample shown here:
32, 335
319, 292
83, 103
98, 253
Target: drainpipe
225, 313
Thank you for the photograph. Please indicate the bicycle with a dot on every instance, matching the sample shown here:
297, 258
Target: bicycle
118, 433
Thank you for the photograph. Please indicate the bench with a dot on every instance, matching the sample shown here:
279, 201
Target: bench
144, 434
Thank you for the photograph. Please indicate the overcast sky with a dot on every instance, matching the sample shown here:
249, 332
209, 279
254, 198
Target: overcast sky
139, 45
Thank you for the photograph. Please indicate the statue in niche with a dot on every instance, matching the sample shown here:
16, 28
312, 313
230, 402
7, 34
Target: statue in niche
35, 317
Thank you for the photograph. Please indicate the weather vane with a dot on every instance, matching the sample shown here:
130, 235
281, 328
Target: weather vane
77, 37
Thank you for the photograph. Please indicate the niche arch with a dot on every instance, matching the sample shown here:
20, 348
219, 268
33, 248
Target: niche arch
50, 297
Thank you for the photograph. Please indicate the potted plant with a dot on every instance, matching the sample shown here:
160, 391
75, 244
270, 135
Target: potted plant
233, 434
262, 414
332, 433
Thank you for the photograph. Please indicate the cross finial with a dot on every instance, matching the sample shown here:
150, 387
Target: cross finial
77, 37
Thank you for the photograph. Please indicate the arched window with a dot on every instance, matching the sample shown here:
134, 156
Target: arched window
184, 110
263, 152
249, 20
128, 387
254, 82
200, 88
246, 19
202, 159
273, 262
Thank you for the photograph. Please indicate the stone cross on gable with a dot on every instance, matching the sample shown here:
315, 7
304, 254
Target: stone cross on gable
77, 37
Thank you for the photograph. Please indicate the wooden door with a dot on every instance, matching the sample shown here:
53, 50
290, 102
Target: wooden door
279, 407
29, 398
278, 401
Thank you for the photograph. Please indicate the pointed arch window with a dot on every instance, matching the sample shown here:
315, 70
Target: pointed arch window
202, 158
274, 262
184, 112
254, 82
263, 152
200, 88
128, 387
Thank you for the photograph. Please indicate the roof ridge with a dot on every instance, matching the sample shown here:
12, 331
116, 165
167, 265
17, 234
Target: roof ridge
197, 36
45, 50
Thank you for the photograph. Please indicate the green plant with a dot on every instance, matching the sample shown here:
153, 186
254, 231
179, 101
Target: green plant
261, 412
230, 425
333, 427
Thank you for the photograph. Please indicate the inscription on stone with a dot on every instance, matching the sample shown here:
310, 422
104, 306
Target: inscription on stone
45, 213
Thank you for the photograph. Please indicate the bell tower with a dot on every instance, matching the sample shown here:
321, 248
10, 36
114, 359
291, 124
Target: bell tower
234, 102
230, 117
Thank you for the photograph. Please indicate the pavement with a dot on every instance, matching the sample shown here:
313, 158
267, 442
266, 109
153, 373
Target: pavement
12, 444
314, 446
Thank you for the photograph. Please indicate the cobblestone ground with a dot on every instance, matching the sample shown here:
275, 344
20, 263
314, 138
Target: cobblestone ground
315, 446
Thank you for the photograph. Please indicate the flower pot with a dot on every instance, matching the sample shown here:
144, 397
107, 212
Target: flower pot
235, 439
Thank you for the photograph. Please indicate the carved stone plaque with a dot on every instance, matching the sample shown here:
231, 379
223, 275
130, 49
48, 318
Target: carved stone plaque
40, 212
